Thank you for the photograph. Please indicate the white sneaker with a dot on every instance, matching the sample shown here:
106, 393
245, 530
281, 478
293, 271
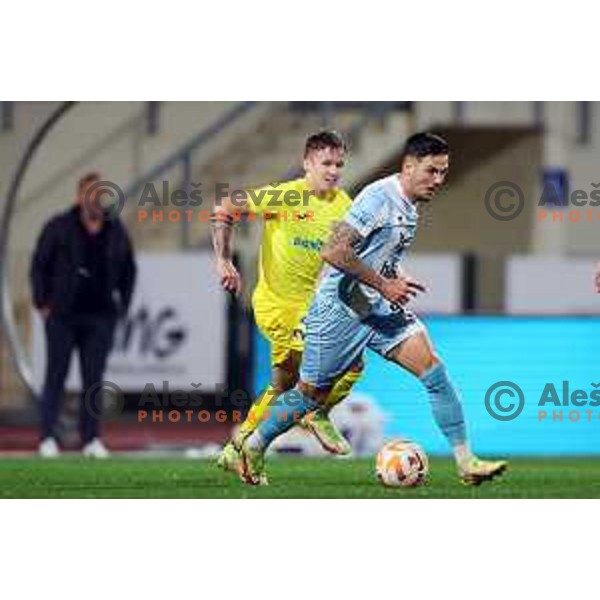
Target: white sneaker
48, 448
95, 449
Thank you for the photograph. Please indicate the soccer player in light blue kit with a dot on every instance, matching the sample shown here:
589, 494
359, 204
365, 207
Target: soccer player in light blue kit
360, 303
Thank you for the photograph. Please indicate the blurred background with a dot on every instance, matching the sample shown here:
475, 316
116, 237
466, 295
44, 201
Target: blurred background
511, 295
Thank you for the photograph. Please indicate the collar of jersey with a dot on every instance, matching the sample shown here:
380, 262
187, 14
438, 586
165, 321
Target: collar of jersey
400, 197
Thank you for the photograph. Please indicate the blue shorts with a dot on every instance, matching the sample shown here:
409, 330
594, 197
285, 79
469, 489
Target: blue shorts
335, 338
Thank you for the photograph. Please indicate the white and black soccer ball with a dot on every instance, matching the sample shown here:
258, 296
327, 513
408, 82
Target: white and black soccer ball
402, 463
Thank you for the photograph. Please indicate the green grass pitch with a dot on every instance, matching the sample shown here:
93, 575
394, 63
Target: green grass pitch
290, 478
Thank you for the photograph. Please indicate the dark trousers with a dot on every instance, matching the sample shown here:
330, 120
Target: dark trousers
92, 336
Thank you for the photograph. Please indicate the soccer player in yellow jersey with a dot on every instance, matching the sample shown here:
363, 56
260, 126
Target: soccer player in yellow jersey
298, 216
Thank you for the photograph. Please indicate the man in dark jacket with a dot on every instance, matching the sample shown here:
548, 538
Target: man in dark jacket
82, 274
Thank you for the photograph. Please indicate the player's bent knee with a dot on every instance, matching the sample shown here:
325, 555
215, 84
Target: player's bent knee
427, 364
358, 366
433, 360
281, 385
314, 393
284, 379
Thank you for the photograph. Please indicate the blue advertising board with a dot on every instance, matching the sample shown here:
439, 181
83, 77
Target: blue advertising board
529, 386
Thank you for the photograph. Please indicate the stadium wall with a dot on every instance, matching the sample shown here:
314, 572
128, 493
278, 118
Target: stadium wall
570, 134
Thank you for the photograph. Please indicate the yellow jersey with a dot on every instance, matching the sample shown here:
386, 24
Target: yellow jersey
297, 223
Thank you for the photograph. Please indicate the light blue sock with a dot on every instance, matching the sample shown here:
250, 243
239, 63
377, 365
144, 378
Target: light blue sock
284, 412
446, 406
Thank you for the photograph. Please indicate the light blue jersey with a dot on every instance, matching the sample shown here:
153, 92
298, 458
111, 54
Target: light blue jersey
346, 316
387, 221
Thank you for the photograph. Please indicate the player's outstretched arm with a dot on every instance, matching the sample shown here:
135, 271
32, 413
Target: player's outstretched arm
223, 218
340, 251
597, 279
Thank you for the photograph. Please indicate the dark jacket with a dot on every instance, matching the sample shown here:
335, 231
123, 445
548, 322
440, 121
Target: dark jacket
57, 259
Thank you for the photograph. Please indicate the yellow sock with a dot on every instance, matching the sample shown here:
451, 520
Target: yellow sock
341, 389
257, 411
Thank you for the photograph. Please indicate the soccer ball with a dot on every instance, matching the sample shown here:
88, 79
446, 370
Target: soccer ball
402, 463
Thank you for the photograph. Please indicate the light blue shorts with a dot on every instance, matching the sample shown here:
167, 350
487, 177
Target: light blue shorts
335, 338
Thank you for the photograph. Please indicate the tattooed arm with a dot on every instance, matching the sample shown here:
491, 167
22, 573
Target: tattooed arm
228, 210
340, 251
222, 236
222, 239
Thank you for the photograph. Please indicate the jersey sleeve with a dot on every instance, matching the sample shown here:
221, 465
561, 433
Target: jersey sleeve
366, 213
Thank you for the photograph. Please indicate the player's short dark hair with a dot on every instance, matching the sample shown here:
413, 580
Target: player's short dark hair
325, 139
88, 178
421, 145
